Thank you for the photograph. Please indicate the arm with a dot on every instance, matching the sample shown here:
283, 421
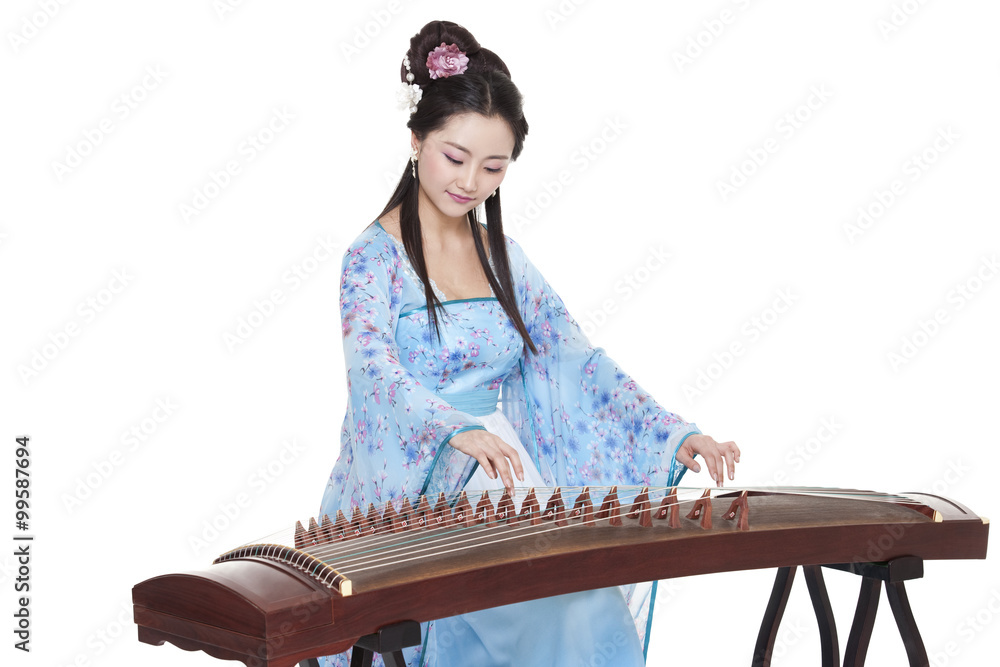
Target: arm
396, 429
589, 420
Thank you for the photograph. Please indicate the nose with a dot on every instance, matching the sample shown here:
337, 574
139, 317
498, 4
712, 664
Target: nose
467, 179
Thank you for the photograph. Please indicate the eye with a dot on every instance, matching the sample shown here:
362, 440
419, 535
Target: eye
490, 170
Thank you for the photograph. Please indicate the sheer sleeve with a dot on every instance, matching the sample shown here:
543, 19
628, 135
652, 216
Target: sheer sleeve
588, 421
395, 432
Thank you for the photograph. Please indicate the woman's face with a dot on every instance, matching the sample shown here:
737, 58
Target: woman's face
463, 162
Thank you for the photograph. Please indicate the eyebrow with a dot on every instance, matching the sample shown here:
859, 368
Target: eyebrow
466, 150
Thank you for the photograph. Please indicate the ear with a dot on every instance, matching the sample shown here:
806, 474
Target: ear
414, 141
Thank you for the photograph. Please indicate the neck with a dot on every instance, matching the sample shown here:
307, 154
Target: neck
437, 227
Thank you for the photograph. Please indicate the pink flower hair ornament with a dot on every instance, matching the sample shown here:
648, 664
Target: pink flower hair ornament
444, 61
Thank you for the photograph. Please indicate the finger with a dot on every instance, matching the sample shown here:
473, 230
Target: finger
712, 463
487, 467
729, 445
687, 460
503, 468
515, 460
731, 463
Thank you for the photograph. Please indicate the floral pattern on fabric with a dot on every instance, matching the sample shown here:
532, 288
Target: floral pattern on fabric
585, 421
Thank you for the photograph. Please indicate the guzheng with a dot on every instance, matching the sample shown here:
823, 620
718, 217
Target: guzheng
322, 588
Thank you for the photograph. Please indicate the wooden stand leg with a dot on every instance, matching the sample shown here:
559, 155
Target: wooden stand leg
772, 617
864, 621
309, 662
361, 657
900, 605
829, 647
892, 573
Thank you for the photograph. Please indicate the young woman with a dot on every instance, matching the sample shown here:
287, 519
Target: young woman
466, 371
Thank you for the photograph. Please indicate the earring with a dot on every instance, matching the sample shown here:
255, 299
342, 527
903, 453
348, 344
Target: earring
413, 162
494, 193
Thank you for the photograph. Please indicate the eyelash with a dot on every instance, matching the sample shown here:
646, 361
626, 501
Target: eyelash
454, 161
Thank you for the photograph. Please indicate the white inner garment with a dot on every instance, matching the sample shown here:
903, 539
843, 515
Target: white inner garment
498, 425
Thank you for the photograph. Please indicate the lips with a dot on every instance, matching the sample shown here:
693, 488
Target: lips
459, 198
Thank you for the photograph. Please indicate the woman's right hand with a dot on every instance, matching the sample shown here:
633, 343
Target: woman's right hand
493, 454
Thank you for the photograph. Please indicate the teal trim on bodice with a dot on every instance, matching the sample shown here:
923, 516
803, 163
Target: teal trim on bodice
449, 301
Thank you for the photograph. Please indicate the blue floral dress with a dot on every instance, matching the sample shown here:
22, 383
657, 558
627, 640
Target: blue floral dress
577, 417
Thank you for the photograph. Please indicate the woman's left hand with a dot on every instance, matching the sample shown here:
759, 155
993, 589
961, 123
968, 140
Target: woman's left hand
717, 455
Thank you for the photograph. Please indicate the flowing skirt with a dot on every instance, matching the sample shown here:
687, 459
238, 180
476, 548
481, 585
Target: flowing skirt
585, 629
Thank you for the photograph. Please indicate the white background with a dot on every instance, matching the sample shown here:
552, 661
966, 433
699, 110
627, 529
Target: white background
663, 134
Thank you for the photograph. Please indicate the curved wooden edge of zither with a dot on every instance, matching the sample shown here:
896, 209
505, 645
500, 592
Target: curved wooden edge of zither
298, 559
158, 638
946, 508
249, 610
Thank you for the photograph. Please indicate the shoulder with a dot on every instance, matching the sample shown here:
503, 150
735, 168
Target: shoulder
373, 242
371, 252
373, 232
513, 248
516, 255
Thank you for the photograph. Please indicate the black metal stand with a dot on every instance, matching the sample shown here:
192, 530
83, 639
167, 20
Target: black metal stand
388, 641
893, 573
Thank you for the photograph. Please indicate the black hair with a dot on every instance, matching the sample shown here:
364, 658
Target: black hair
484, 88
